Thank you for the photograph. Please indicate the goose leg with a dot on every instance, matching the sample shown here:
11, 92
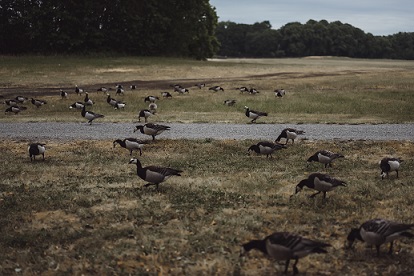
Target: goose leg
295, 269
313, 195
390, 251
287, 266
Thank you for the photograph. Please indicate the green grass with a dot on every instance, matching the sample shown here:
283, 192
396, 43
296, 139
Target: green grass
84, 210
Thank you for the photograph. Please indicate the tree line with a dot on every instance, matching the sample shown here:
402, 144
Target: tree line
179, 28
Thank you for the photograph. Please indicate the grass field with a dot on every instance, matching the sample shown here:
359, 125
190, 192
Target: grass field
84, 211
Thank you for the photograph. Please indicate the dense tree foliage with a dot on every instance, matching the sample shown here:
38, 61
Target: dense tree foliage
141, 27
315, 38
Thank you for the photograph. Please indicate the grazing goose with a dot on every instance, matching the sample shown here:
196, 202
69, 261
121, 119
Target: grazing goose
38, 103
77, 105
78, 90
36, 149
151, 99
325, 157
20, 99
151, 129
102, 89
152, 174
144, 113
216, 88
63, 94
285, 246
12, 102
229, 102
181, 90
289, 134
379, 231
133, 87
90, 116
166, 94
15, 109
280, 93
322, 183
243, 89
200, 85
253, 91
87, 100
254, 115
120, 90
266, 148
388, 165
130, 144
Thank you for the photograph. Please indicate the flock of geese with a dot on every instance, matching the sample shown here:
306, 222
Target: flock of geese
283, 246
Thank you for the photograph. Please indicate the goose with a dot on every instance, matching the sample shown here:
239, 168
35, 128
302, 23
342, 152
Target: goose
78, 90
285, 246
289, 134
322, 183
266, 148
12, 102
63, 94
230, 102
77, 105
144, 113
130, 144
102, 89
153, 107
133, 87
181, 90
166, 94
119, 105
279, 92
36, 149
20, 99
254, 115
253, 91
176, 86
325, 157
110, 100
388, 165
87, 100
243, 89
379, 231
152, 174
151, 99
151, 129
38, 103
89, 115
119, 91
200, 85
216, 88
15, 109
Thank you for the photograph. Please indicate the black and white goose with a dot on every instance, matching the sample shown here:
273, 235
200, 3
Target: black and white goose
230, 102
242, 89
285, 246
200, 85
119, 90
11, 102
289, 134
77, 105
379, 231
266, 148
254, 115
20, 99
388, 165
102, 89
181, 90
254, 91
15, 109
133, 87
36, 149
151, 129
63, 94
151, 99
166, 95
90, 116
38, 103
320, 182
144, 113
78, 90
130, 144
111, 101
280, 92
216, 88
154, 175
325, 157
87, 100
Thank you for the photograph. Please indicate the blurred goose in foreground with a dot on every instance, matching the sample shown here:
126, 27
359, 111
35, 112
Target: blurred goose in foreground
388, 165
15, 109
144, 113
254, 115
379, 231
285, 246
151, 129
280, 93
90, 116
36, 149
320, 182
153, 107
152, 174
289, 134
130, 144
77, 105
325, 157
38, 103
266, 148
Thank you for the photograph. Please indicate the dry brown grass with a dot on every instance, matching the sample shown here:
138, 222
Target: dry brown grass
84, 211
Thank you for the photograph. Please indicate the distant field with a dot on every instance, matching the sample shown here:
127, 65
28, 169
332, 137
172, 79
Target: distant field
319, 90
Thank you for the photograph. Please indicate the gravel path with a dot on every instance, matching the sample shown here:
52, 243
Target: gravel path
102, 131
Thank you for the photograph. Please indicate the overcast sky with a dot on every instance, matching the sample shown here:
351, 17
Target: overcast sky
378, 17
